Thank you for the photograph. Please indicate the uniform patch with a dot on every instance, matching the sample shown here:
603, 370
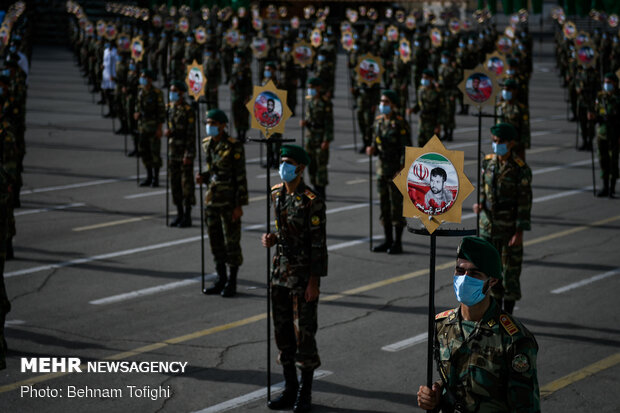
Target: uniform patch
510, 327
491, 323
443, 315
315, 220
310, 194
402, 131
490, 156
521, 363
378, 140
237, 155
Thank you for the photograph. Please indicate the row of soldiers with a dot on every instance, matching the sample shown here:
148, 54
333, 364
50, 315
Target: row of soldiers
593, 97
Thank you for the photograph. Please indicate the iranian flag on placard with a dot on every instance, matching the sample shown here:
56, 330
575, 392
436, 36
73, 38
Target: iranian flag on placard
419, 178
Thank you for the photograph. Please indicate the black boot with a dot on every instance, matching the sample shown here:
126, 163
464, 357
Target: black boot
605, 191
397, 246
449, 137
286, 400
149, 177
179, 217
155, 182
612, 188
230, 289
320, 190
133, 153
509, 305
388, 240
10, 254
187, 217
220, 281
304, 395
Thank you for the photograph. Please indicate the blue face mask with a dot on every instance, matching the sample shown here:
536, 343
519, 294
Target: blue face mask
208, 54
608, 87
6, 72
132, 67
12, 49
510, 72
416, 43
106, 46
287, 172
461, 45
425, 82
468, 290
500, 149
287, 49
506, 95
267, 73
173, 96
444, 60
163, 35
189, 39
321, 58
311, 92
385, 109
236, 60
143, 81
212, 130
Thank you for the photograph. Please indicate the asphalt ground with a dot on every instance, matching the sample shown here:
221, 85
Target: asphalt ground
99, 276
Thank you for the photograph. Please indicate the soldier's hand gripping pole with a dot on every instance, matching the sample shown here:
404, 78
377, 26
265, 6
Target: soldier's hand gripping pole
202, 221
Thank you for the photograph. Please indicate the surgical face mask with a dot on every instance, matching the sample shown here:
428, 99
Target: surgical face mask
385, 109
267, 73
163, 35
311, 92
396, 53
470, 41
132, 67
287, 49
212, 130
468, 289
106, 46
287, 172
521, 47
506, 95
151, 35
608, 87
425, 82
6, 72
445, 60
416, 43
510, 72
500, 149
461, 45
12, 49
143, 81
173, 96
321, 58
208, 54
236, 60
326, 40
481, 36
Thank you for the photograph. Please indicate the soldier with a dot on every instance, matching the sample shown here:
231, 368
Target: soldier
181, 134
505, 204
177, 54
161, 56
392, 134
366, 98
428, 105
400, 78
122, 71
607, 115
150, 112
213, 71
227, 192
449, 76
299, 262
503, 377
240, 92
319, 124
130, 94
586, 87
108, 77
192, 51
288, 76
325, 70
510, 110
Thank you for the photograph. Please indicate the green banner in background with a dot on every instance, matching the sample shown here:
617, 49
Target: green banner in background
537, 6
508, 6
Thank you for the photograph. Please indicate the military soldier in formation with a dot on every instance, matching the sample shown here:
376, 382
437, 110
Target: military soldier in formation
240, 91
299, 263
586, 88
130, 94
391, 134
450, 74
510, 110
504, 376
181, 134
212, 69
227, 193
504, 206
428, 105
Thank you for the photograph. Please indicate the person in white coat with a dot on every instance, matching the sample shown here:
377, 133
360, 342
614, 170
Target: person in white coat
108, 77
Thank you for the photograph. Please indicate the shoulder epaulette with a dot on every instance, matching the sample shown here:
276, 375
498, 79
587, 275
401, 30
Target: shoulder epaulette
277, 186
379, 117
231, 139
444, 314
490, 156
508, 324
519, 161
207, 139
309, 194
398, 117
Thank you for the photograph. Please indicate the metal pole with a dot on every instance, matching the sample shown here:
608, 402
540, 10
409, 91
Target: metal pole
593, 170
303, 115
202, 221
577, 126
167, 178
268, 230
138, 159
370, 200
352, 106
431, 315
478, 184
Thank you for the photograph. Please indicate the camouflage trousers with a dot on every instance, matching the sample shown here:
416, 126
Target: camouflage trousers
224, 235
319, 159
512, 259
449, 112
295, 326
608, 158
150, 150
291, 97
426, 130
182, 183
585, 125
391, 201
212, 97
241, 116
365, 119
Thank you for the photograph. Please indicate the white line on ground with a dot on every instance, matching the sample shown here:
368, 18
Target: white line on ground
263, 176
9, 323
54, 208
255, 395
145, 194
559, 167
113, 223
409, 342
73, 186
352, 243
586, 281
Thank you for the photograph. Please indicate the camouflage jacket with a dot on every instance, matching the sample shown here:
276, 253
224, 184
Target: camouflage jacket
225, 176
506, 196
607, 112
516, 114
490, 365
449, 78
428, 103
586, 86
8, 153
182, 125
241, 82
320, 119
391, 135
213, 71
150, 105
301, 250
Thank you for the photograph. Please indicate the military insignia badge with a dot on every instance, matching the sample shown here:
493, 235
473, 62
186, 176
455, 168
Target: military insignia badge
521, 363
237, 155
315, 220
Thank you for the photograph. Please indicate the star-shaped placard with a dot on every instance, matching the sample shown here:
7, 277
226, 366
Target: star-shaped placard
479, 87
195, 80
268, 109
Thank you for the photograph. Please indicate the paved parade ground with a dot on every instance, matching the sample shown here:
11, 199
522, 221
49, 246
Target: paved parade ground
98, 275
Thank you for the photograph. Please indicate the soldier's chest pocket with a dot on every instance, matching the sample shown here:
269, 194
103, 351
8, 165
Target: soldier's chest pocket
223, 160
296, 217
507, 184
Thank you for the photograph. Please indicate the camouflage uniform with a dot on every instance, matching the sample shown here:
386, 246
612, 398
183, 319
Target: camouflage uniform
400, 77
150, 106
177, 68
488, 366
517, 115
586, 86
240, 92
213, 71
319, 129
121, 82
288, 79
182, 145
130, 94
449, 77
506, 202
227, 188
366, 100
429, 103
301, 253
607, 112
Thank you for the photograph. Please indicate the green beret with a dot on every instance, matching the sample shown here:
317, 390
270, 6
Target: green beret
315, 81
510, 83
217, 115
482, 254
296, 152
446, 53
271, 63
611, 76
513, 62
428, 72
179, 84
390, 94
148, 73
504, 131
240, 52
